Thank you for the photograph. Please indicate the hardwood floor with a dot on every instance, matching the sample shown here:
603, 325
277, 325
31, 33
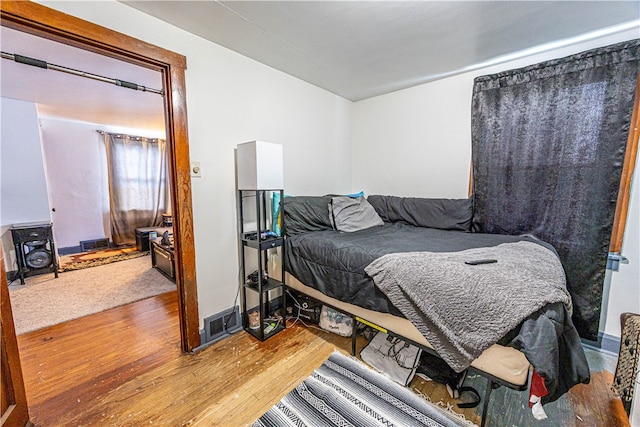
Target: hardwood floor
123, 367
68, 366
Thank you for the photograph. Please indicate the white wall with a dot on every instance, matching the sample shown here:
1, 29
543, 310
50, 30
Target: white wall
23, 188
417, 142
76, 162
76, 169
232, 99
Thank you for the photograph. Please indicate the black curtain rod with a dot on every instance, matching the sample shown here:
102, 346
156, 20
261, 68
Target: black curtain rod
42, 64
135, 137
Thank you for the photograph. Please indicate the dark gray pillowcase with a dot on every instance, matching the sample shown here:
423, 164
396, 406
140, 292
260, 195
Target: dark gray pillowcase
306, 213
444, 214
353, 214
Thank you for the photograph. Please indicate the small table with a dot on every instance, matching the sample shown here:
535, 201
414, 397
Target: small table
162, 258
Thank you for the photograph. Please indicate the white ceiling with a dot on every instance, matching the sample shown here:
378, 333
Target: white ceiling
66, 96
360, 49
356, 49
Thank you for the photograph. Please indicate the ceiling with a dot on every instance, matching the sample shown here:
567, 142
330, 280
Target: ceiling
67, 96
356, 49
360, 49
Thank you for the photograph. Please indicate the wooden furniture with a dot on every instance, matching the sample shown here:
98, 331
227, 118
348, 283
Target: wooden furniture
628, 360
35, 250
163, 258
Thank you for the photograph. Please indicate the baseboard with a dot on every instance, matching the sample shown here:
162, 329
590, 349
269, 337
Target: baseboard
12, 275
204, 344
606, 343
609, 343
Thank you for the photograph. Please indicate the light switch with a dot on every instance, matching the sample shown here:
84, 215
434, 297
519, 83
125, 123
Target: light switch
195, 169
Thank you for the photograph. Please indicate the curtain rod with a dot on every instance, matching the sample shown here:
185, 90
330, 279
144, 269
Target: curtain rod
42, 64
135, 137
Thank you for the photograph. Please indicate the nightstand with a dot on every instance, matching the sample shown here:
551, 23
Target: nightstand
162, 258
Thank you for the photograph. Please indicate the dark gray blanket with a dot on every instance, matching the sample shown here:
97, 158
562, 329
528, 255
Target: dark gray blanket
464, 309
334, 262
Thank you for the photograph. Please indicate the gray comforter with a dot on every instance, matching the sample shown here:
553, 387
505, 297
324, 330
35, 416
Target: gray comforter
334, 264
463, 309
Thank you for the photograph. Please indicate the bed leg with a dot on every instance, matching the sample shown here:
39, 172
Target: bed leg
354, 336
485, 405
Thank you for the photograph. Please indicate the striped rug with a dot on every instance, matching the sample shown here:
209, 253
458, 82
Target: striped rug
345, 392
96, 258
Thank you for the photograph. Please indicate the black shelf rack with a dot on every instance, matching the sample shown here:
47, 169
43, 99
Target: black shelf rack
259, 284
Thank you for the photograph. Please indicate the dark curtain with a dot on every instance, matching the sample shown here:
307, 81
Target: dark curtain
548, 145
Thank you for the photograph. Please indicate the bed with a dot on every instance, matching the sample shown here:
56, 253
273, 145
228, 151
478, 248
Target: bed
376, 259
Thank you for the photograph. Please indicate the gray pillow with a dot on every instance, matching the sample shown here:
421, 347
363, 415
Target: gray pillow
350, 214
445, 214
303, 214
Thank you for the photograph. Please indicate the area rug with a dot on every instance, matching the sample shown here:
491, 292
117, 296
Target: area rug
44, 300
343, 392
93, 259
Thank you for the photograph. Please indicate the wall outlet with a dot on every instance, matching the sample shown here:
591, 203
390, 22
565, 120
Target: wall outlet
195, 169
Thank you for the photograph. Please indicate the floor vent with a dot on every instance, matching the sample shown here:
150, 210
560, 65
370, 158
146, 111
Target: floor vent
95, 244
224, 323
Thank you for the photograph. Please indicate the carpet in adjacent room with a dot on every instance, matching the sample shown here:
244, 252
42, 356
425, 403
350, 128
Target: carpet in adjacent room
45, 301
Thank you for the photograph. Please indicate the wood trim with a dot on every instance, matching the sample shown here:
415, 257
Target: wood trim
58, 26
624, 194
176, 124
15, 411
42, 21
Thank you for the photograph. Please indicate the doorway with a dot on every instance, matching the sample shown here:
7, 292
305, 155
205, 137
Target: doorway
44, 22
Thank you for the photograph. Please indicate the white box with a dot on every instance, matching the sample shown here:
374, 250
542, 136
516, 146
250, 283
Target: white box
260, 166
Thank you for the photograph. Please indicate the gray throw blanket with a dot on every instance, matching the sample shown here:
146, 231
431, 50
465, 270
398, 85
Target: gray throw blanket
463, 309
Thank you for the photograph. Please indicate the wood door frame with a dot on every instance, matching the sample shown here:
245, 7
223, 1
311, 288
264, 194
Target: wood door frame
14, 410
44, 22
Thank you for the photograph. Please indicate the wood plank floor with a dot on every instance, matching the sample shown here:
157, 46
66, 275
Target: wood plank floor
123, 367
67, 366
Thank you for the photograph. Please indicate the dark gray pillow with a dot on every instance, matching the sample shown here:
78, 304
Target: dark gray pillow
350, 214
445, 214
306, 213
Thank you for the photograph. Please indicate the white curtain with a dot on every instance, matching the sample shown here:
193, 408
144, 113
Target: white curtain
139, 190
